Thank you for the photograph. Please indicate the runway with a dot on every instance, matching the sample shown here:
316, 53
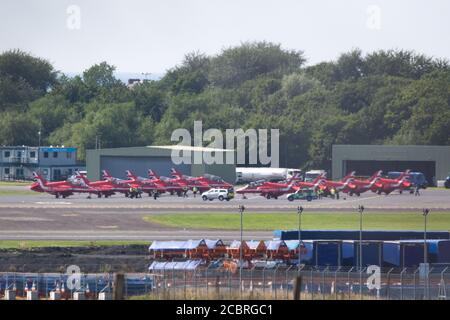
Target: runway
42, 217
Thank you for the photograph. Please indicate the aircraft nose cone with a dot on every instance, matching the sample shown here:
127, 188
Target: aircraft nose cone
35, 186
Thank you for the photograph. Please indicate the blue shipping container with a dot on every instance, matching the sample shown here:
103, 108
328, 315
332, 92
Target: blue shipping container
372, 253
328, 253
402, 254
354, 235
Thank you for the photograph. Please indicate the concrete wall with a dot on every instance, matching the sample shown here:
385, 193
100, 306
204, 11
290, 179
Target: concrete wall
140, 159
438, 154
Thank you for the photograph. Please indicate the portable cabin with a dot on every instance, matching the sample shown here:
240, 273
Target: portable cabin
292, 246
257, 248
372, 253
403, 254
216, 249
233, 250
277, 249
167, 249
195, 249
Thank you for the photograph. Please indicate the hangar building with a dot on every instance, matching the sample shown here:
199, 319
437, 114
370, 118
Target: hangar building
433, 161
157, 158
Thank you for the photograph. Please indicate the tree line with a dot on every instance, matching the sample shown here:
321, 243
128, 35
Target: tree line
383, 97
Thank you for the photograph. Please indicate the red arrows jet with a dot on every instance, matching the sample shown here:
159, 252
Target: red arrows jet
270, 189
384, 185
150, 186
274, 190
363, 185
58, 189
252, 187
345, 185
315, 184
203, 183
103, 187
171, 185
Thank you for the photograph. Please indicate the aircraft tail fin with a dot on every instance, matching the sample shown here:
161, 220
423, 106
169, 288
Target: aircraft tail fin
106, 175
348, 176
82, 177
152, 174
318, 178
131, 175
376, 175
175, 173
41, 180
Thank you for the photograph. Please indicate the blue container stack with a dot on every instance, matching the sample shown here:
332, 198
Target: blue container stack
399, 249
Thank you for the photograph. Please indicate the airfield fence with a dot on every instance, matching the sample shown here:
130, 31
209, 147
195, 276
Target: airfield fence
330, 283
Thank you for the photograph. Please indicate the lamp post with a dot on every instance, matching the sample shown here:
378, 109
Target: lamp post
425, 213
299, 212
241, 211
425, 268
360, 210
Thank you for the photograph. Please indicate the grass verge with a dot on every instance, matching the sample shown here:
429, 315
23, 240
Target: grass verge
5, 193
315, 220
15, 183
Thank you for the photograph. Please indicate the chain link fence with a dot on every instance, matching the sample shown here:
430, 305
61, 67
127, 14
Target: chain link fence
277, 283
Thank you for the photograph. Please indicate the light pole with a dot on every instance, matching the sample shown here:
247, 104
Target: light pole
241, 211
425, 267
299, 212
425, 213
360, 210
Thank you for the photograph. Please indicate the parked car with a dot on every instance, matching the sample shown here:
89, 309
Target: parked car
447, 183
221, 194
303, 194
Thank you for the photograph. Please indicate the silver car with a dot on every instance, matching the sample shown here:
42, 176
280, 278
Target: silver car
221, 194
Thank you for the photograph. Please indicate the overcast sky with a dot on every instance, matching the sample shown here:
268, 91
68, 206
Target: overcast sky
153, 35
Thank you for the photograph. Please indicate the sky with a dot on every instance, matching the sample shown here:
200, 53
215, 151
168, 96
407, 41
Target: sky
149, 36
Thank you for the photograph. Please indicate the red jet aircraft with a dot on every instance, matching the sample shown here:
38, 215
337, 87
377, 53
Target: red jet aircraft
384, 185
345, 185
103, 187
150, 186
58, 189
171, 185
270, 189
363, 185
203, 183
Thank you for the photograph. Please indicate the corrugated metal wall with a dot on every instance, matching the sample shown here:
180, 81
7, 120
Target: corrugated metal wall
116, 165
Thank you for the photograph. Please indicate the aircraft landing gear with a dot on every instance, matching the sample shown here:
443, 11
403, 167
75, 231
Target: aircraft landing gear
57, 195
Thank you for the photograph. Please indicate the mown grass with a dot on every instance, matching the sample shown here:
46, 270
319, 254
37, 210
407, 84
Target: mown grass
313, 220
28, 244
15, 183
